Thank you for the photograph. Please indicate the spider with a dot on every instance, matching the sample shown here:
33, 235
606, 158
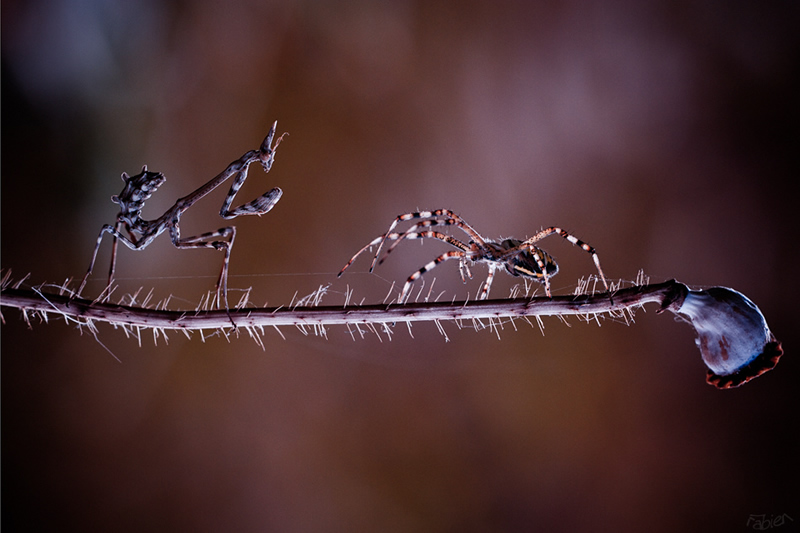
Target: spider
139, 233
518, 258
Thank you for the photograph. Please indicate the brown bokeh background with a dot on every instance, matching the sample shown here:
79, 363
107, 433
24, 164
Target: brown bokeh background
664, 134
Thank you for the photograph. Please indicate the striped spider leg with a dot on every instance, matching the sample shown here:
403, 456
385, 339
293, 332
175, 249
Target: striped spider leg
516, 257
137, 233
527, 246
449, 219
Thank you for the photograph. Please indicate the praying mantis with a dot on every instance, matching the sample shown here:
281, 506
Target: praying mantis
136, 233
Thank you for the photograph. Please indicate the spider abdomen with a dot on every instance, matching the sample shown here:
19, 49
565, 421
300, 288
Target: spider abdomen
525, 264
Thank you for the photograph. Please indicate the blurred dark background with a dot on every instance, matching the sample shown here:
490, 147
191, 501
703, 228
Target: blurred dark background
663, 133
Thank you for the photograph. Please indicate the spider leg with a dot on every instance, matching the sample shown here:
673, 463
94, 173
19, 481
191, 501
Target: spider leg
528, 244
463, 269
540, 263
397, 220
450, 218
430, 266
364, 249
397, 237
402, 236
488, 283
419, 225
574, 240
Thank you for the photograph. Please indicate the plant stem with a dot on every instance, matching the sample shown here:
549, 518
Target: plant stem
668, 295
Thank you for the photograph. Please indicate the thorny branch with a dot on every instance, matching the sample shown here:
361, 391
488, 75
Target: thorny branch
80, 309
733, 336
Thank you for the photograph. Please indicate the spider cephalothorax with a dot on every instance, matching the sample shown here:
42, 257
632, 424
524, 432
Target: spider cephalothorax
136, 192
518, 258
